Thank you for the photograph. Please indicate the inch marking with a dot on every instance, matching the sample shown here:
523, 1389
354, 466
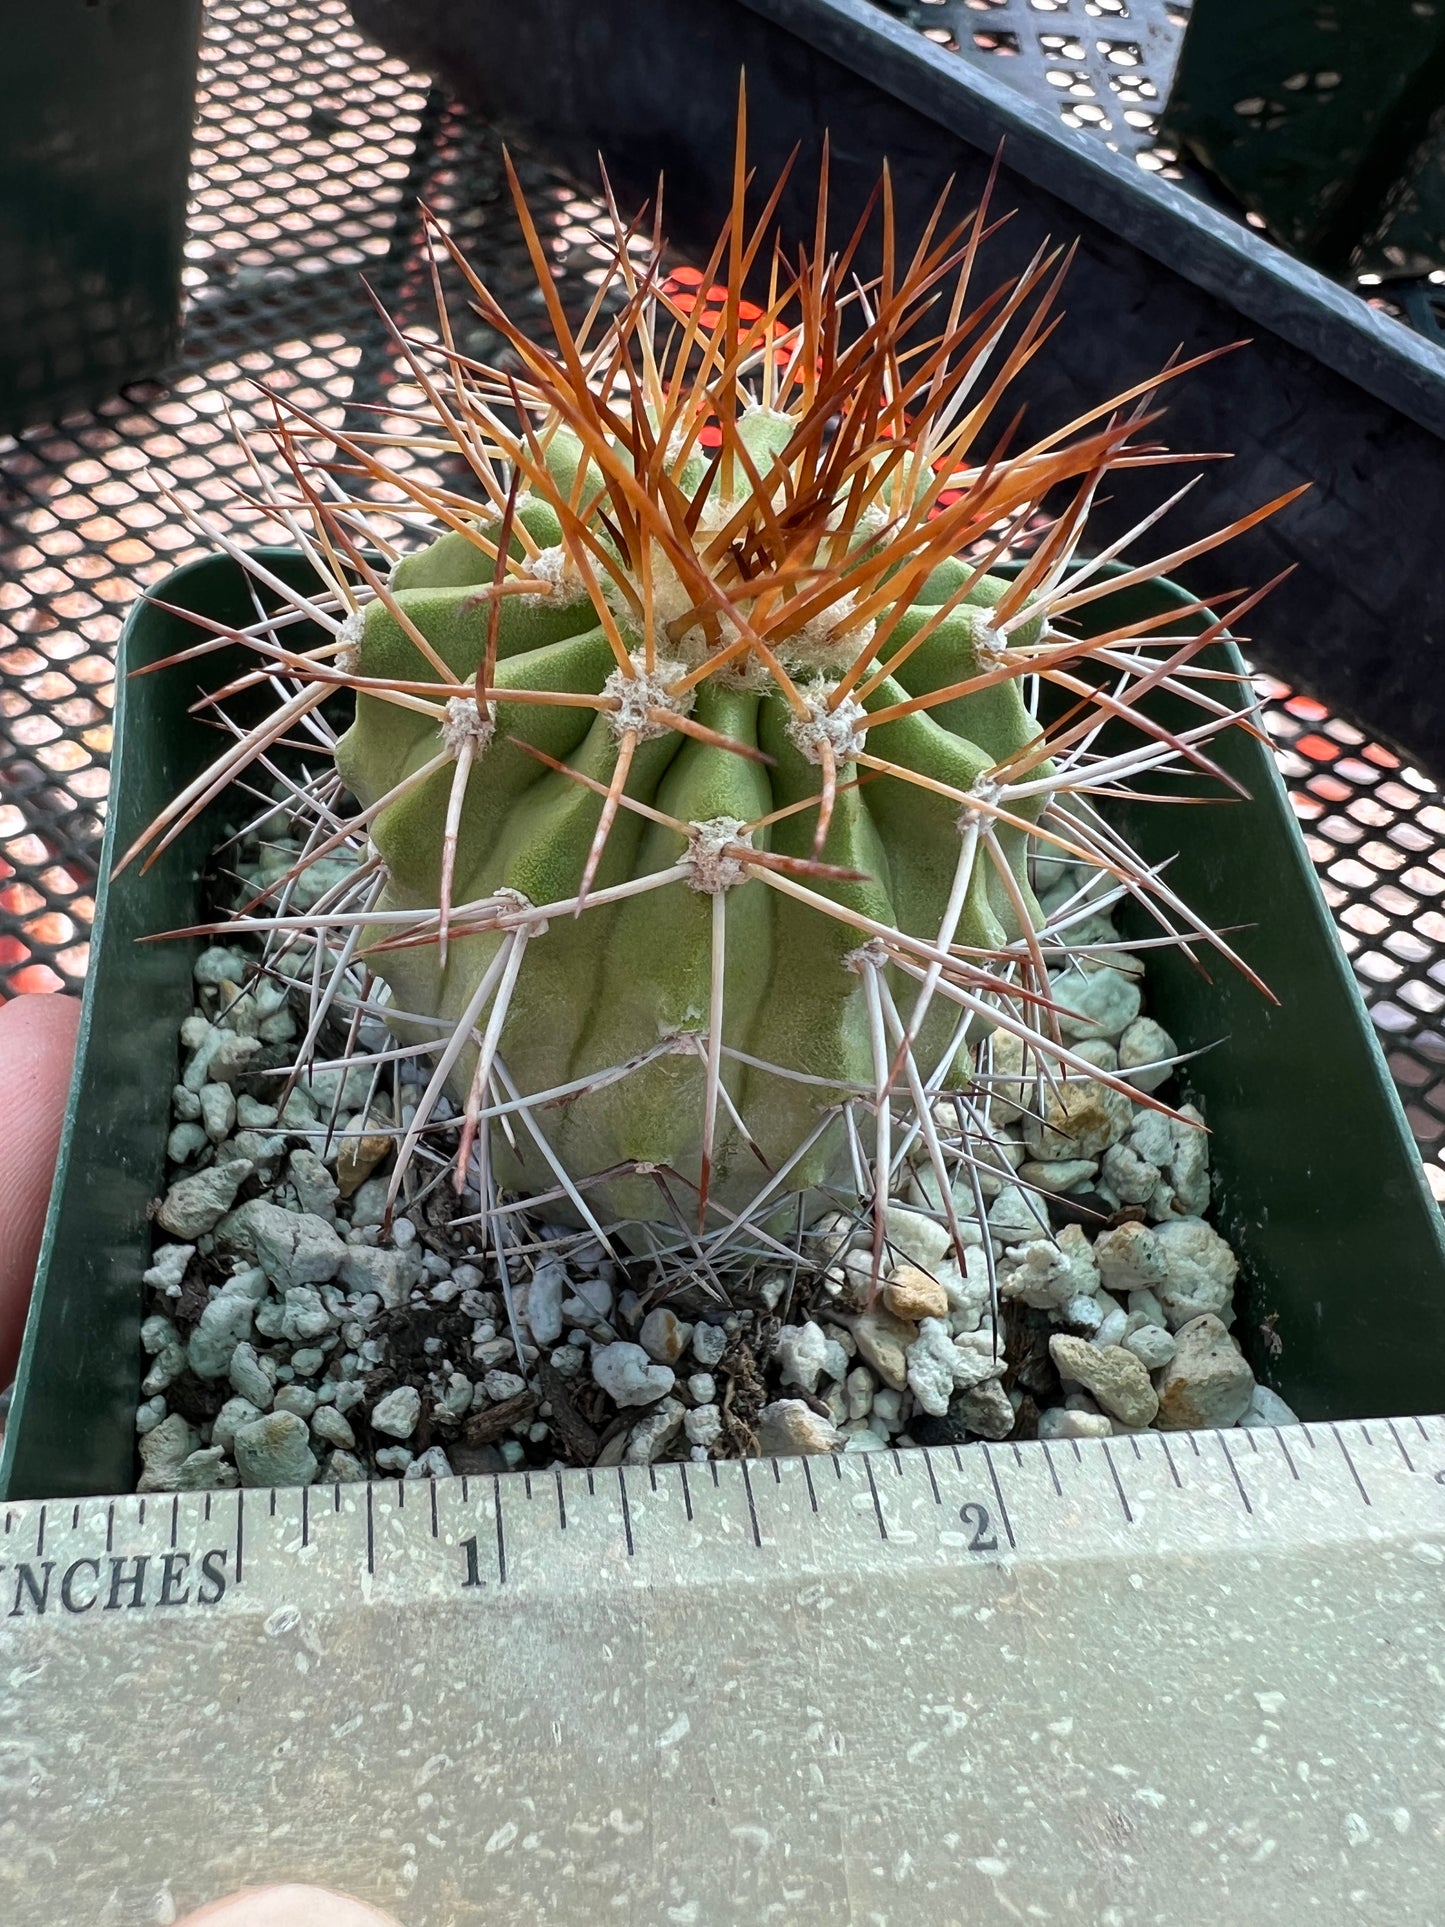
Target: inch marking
435, 1530
1169, 1461
1234, 1470
1002, 1508
752, 1508
712, 1467
1049, 1462
40, 1535
273, 1502
686, 1492
336, 1497
1419, 1426
208, 1509
1118, 1482
109, 1524
464, 1488
562, 1504
1350, 1463
75, 1520
305, 1515
370, 1533
400, 1496
1409, 1462
1249, 1435
808, 1481
872, 1487
140, 1512
501, 1537
240, 1532
1293, 1469
175, 1517
626, 1513
928, 1468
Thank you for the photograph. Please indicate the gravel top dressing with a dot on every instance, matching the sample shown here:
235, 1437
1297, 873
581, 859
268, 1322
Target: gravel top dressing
293, 1337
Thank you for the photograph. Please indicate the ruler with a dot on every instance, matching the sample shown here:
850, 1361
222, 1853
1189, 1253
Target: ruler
1188, 1679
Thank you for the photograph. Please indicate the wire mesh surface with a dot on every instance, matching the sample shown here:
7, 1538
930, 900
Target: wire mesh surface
312, 152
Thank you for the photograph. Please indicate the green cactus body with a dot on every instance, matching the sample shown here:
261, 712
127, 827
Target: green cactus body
601, 989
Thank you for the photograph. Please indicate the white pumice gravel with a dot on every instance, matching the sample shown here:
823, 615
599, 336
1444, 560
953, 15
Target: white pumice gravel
293, 1335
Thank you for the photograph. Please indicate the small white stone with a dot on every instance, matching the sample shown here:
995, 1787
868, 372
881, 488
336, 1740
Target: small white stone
859, 1392
1116, 1379
500, 1386
652, 1434
1058, 1423
703, 1425
1131, 1178
1112, 1330
709, 1342
1151, 1345
397, 1413
1200, 1270
1143, 1050
805, 1353
788, 1428
702, 1388
910, 1236
1017, 1217
1267, 1408
1130, 1258
629, 1376
544, 1303
1101, 1002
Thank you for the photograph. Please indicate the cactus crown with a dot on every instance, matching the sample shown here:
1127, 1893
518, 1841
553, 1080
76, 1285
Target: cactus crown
697, 800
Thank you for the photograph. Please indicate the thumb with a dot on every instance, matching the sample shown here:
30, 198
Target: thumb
288, 1906
37, 1043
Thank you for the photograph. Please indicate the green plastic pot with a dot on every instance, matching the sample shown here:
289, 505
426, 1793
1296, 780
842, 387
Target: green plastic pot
1319, 1186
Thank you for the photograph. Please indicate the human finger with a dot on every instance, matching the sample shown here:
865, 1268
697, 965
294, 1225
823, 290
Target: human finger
290, 1905
37, 1045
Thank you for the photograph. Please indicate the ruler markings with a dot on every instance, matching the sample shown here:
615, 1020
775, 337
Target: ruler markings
140, 1512
1309, 1438
1365, 1431
873, 1489
336, 1496
1234, 1469
1354, 1474
752, 1508
1194, 1445
1394, 1434
1118, 1482
1002, 1508
465, 1495
626, 1514
9, 1521
1420, 1424
1078, 1455
413, 1559
1249, 1435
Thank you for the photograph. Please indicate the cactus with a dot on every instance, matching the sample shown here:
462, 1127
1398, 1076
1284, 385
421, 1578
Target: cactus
698, 794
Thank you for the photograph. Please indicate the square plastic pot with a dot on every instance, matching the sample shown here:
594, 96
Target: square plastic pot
1318, 1183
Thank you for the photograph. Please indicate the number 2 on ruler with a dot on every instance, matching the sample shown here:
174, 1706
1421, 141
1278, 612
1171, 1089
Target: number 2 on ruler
975, 1516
